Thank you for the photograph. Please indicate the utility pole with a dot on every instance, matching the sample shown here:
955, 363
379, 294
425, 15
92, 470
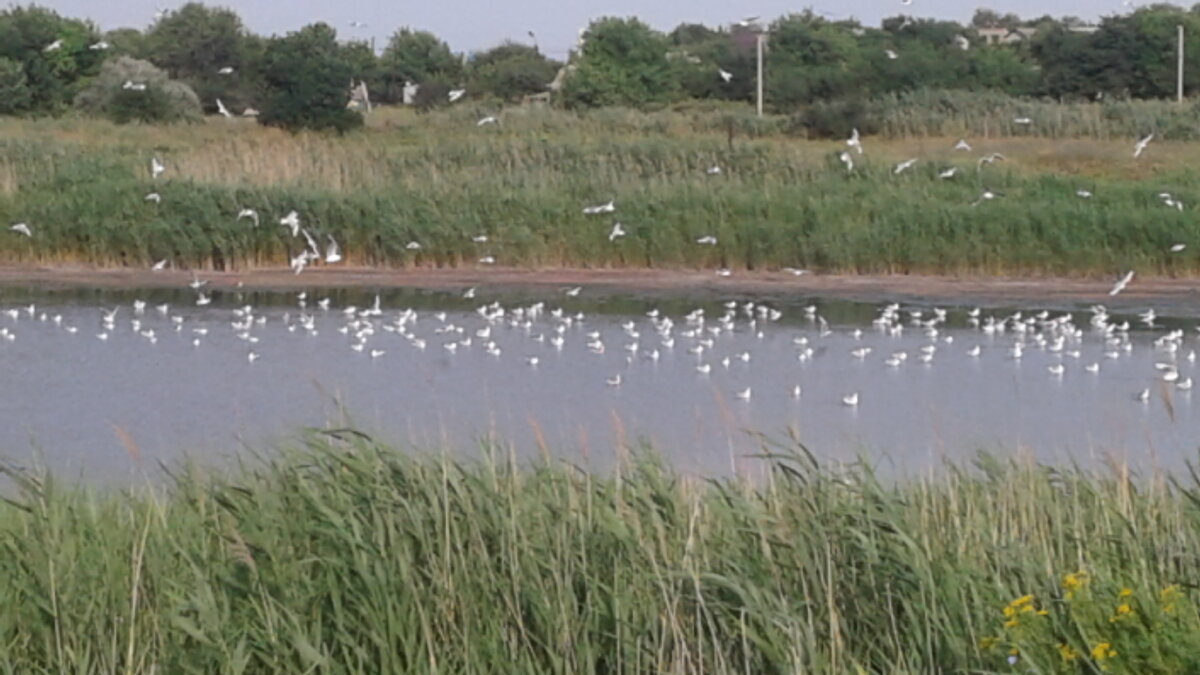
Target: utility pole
760, 37
1179, 69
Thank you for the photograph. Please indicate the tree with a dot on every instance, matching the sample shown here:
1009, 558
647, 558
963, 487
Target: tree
14, 90
418, 57
510, 71
812, 59
126, 42
986, 18
622, 62
307, 79
195, 43
131, 90
52, 75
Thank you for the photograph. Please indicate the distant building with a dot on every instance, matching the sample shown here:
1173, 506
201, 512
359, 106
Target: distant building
999, 35
1006, 36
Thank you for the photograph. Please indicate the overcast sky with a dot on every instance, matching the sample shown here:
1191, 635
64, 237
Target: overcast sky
477, 24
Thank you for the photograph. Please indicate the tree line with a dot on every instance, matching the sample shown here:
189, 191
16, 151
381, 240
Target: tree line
191, 57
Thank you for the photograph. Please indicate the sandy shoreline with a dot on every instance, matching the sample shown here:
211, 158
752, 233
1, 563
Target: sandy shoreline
1180, 295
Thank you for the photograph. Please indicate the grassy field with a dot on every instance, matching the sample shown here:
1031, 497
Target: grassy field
340, 556
779, 201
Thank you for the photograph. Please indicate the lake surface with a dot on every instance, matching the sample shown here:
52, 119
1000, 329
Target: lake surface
443, 372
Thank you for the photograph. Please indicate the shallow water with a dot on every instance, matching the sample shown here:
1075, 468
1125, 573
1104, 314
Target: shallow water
106, 409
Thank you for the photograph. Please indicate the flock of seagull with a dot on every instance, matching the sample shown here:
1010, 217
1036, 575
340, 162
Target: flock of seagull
710, 340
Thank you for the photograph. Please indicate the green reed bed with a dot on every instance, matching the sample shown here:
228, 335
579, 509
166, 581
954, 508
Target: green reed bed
342, 556
438, 180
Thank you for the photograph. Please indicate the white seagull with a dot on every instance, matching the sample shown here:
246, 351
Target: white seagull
1140, 147
1122, 283
617, 232
22, 228
332, 254
227, 70
249, 213
291, 220
850, 399
707, 240
608, 207
962, 144
222, 110
848, 160
490, 119
902, 166
854, 141
156, 167
456, 94
725, 75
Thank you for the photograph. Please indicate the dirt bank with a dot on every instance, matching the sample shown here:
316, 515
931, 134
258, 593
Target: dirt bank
1180, 296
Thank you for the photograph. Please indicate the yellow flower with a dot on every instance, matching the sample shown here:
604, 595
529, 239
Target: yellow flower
1022, 601
1074, 582
1012, 623
1103, 651
989, 642
1010, 610
1067, 653
1125, 593
1121, 611
1043, 612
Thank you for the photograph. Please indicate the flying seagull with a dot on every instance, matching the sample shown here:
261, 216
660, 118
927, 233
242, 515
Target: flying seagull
607, 207
962, 145
854, 141
456, 94
156, 167
1141, 146
22, 228
1122, 283
490, 119
99, 46
249, 213
227, 70
53, 46
848, 160
725, 75
902, 166
332, 254
617, 231
291, 220
223, 110
891, 54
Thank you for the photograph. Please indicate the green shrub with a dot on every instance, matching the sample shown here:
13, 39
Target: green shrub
132, 90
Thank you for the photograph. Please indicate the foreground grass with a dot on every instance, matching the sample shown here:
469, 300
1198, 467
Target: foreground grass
440, 181
341, 556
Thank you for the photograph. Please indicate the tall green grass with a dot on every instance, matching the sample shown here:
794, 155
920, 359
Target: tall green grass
342, 556
439, 180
